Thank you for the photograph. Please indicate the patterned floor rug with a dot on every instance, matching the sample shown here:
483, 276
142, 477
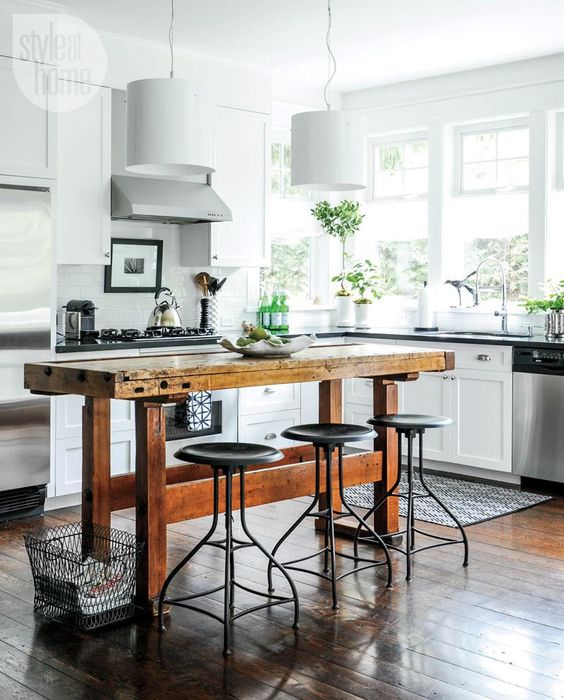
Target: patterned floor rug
471, 501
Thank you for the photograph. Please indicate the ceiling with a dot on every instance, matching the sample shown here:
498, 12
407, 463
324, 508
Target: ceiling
375, 41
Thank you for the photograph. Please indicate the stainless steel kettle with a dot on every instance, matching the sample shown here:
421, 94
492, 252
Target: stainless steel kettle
165, 312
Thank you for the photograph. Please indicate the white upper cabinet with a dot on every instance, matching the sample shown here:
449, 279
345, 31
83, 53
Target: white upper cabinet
27, 130
83, 191
242, 164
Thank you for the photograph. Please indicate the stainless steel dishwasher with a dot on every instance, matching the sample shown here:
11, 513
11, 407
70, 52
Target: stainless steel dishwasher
538, 413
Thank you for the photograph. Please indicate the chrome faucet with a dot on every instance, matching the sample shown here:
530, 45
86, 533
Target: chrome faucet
502, 313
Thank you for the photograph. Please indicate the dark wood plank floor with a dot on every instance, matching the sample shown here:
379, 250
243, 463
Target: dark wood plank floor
494, 630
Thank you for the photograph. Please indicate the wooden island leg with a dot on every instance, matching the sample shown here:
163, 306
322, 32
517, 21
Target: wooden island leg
96, 508
386, 518
96, 465
330, 411
150, 479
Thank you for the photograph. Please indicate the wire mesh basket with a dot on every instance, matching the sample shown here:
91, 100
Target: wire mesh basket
84, 576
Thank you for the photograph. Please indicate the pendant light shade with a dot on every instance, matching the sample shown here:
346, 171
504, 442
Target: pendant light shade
327, 151
169, 128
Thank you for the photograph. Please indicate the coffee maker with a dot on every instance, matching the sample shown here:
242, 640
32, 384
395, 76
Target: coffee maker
80, 319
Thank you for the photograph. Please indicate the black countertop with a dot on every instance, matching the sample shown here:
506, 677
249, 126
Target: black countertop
64, 346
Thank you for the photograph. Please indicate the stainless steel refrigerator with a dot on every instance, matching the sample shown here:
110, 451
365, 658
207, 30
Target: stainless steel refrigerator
25, 336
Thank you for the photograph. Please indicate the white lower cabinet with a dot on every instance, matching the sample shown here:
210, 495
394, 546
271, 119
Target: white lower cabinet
68, 465
430, 395
68, 444
481, 405
477, 395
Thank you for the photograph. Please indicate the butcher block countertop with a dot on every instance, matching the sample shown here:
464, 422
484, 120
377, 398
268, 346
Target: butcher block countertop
164, 375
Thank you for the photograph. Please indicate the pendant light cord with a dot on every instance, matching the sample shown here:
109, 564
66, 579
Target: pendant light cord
171, 38
331, 61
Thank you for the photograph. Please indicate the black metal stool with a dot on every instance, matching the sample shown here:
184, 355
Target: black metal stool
411, 426
228, 457
328, 436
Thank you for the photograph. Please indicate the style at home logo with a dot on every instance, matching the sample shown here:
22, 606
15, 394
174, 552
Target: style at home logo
65, 60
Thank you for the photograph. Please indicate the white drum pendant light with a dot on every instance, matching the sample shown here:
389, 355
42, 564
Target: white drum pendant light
169, 125
327, 146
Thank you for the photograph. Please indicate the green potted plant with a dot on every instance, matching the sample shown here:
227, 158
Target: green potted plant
553, 308
341, 221
365, 281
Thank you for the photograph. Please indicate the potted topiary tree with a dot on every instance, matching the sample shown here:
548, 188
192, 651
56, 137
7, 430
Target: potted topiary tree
366, 282
341, 221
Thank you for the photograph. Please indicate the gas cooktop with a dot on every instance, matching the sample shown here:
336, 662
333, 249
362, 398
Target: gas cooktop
155, 333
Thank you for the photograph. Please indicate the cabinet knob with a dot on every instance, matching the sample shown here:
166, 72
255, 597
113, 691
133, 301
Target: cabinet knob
270, 436
483, 358
269, 390
452, 377
445, 377
107, 255
214, 257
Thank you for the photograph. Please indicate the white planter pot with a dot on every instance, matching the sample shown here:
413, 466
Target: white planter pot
345, 312
361, 314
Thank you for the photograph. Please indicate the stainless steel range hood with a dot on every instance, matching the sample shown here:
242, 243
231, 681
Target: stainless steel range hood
166, 201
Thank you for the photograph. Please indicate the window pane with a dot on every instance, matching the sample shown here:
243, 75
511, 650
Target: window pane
513, 252
415, 182
390, 158
388, 184
276, 155
416, 155
512, 143
275, 187
513, 173
287, 157
477, 147
403, 265
289, 270
479, 176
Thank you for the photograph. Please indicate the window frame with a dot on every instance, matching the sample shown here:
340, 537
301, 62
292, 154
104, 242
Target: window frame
402, 139
479, 128
559, 152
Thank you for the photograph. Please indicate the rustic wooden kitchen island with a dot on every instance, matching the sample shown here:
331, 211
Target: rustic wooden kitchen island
166, 495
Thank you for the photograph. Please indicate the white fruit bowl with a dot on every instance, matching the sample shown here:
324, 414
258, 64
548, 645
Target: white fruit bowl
263, 348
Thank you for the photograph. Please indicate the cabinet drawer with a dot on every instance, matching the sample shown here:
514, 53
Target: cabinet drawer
473, 356
266, 428
278, 397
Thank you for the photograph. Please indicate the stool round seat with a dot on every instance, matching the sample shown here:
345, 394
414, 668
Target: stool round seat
223, 454
409, 421
328, 433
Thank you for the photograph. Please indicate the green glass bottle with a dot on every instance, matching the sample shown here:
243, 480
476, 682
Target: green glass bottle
284, 312
275, 314
264, 311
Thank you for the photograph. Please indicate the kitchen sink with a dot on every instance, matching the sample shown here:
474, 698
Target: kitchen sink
484, 334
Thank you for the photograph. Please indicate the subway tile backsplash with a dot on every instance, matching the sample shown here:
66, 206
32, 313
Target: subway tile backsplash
131, 310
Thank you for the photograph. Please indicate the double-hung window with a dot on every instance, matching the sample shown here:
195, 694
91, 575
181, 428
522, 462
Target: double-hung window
488, 214
292, 232
394, 230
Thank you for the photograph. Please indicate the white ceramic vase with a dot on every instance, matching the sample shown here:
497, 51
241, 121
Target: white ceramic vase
361, 314
345, 311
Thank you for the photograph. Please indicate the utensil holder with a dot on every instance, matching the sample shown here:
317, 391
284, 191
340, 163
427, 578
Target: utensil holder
209, 314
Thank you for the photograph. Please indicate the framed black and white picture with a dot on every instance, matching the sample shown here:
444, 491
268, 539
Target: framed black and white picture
136, 265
